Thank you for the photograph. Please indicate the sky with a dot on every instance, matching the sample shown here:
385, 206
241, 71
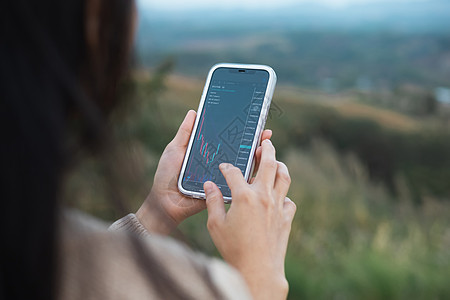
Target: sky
260, 4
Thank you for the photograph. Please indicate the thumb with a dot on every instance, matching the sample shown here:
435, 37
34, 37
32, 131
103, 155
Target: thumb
214, 203
181, 139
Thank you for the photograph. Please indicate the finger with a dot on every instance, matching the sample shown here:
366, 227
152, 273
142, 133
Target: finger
233, 176
181, 139
268, 165
257, 160
282, 180
214, 203
267, 134
289, 208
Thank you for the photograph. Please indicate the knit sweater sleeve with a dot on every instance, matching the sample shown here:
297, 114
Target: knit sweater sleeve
126, 262
226, 279
131, 224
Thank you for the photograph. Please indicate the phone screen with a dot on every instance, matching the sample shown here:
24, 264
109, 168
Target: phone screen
227, 126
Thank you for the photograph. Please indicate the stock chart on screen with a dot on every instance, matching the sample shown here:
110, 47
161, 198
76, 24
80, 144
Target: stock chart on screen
226, 128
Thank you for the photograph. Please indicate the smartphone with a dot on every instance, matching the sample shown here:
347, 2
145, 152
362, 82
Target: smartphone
230, 119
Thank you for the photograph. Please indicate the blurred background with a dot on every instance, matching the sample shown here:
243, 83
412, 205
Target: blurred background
361, 115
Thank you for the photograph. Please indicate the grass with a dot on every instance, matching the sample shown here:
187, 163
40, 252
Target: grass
351, 238
389, 119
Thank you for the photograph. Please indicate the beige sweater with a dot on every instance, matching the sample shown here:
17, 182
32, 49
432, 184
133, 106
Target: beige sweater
101, 263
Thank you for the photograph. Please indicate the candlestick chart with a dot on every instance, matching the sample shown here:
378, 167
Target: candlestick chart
225, 131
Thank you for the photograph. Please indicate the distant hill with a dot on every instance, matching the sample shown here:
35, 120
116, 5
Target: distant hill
372, 46
400, 16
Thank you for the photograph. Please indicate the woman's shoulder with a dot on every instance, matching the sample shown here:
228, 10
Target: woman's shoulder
127, 262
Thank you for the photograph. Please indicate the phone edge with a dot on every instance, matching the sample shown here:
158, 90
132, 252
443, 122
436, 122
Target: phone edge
261, 123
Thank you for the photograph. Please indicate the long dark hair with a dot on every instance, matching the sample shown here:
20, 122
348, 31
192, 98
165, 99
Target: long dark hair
58, 74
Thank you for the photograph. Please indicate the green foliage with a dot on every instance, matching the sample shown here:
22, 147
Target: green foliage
142, 117
422, 157
349, 240
351, 237
307, 58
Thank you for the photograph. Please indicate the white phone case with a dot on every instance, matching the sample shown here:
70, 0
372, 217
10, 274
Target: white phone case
259, 129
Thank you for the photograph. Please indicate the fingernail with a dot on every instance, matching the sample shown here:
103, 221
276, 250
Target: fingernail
189, 111
267, 142
208, 187
224, 166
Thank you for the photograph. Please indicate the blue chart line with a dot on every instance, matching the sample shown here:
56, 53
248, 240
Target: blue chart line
209, 153
205, 151
245, 146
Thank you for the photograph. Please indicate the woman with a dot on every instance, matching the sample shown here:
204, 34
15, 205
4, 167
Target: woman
61, 62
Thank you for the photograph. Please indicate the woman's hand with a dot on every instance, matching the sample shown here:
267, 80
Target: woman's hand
165, 207
253, 235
